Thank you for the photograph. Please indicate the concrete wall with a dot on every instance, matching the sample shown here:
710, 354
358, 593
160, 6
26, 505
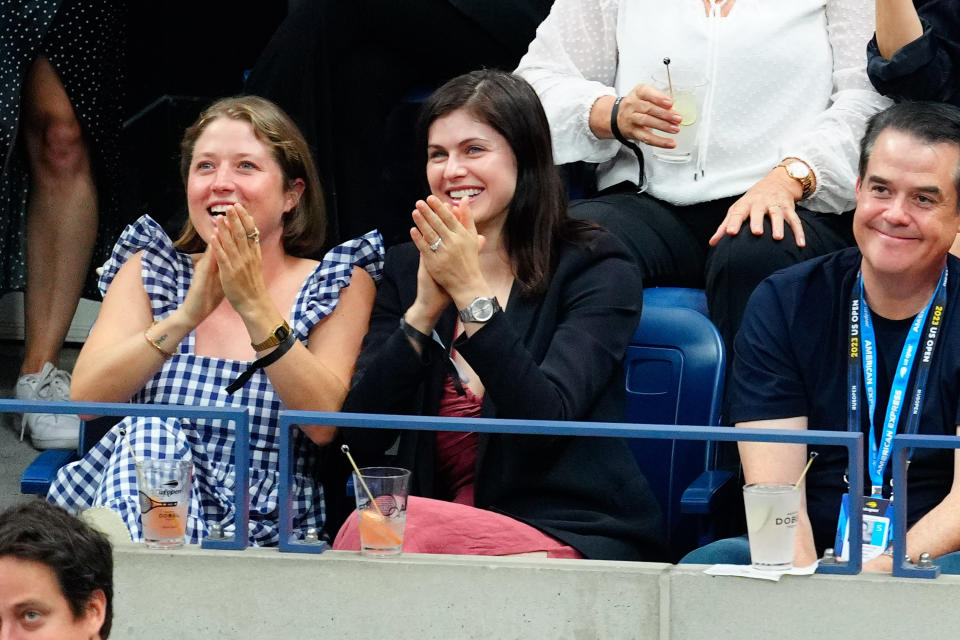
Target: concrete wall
257, 593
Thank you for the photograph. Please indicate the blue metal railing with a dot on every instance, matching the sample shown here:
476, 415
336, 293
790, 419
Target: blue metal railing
853, 442
241, 448
902, 443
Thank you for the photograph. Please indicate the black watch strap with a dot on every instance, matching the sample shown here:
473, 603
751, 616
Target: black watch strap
629, 144
263, 362
414, 334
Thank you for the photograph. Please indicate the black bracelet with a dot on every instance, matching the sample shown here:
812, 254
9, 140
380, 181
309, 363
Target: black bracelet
263, 362
415, 334
615, 129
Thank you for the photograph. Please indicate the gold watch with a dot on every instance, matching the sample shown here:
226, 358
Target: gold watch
802, 173
277, 336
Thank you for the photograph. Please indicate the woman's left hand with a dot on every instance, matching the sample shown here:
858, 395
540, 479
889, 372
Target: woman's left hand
775, 196
238, 257
455, 263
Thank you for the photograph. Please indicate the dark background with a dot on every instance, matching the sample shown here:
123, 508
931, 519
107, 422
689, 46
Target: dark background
181, 56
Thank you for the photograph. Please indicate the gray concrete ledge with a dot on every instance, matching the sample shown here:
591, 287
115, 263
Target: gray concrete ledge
262, 593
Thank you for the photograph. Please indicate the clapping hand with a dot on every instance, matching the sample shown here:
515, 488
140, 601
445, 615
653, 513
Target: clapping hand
454, 262
205, 291
236, 246
449, 248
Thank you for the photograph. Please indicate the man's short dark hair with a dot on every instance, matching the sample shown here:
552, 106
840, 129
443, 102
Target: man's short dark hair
78, 555
931, 122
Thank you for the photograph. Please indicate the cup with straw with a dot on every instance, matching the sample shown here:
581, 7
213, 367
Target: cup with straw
381, 506
773, 513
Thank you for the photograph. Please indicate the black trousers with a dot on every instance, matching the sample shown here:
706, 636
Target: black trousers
670, 245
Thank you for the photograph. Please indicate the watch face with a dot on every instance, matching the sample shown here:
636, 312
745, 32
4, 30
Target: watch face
481, 309
281, 332
798, 170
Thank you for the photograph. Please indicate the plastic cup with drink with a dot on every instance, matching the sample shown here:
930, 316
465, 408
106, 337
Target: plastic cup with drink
772, 512
164, 488
688, 90
381, 508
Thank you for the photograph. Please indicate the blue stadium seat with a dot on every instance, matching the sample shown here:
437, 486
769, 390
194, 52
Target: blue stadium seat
674, 375
37, 477
695, 299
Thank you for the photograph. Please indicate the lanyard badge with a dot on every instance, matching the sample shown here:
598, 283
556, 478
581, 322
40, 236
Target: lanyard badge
918, 349
877, 530
917, 352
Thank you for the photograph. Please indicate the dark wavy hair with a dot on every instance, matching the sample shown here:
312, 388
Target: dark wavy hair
304, 226
78, 555
537, 220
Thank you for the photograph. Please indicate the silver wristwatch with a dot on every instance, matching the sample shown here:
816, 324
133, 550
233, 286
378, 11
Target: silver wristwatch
480, 310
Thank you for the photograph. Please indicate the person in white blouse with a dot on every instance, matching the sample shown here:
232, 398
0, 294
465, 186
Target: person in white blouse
786, 105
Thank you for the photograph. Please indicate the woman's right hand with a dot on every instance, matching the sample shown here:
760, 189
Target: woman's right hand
642, 111
205, 291
431, 298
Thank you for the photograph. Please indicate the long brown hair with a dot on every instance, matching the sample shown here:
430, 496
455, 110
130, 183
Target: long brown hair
537, 219
304, 226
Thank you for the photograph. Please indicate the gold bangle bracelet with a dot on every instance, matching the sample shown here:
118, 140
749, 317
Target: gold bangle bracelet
156, 345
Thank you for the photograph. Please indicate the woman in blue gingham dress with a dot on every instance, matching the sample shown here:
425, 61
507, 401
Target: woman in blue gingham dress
107, 475
182, 321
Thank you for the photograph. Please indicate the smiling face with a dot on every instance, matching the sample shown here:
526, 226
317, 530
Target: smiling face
229, 165
467, 158
906, 217
33, 607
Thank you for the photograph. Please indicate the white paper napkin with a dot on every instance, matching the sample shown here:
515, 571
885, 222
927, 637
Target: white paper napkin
747, 571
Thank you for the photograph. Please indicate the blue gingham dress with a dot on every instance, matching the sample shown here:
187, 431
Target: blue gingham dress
107, 475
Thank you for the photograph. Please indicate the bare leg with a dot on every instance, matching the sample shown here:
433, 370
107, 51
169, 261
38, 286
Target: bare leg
61, 215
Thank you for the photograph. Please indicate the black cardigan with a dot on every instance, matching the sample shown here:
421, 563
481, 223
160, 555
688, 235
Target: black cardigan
556, 356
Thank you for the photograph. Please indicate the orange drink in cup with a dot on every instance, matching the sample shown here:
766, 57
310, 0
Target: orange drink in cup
382, 519
380, 532
164, 487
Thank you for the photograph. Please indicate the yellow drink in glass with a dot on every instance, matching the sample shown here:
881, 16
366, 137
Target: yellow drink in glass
689, 92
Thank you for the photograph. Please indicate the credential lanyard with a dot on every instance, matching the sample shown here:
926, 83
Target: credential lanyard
862, 347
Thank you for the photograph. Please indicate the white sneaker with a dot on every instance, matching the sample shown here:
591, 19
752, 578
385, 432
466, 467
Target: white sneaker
48, 430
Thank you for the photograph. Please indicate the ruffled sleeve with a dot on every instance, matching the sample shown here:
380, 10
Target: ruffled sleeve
165, 271
321, 291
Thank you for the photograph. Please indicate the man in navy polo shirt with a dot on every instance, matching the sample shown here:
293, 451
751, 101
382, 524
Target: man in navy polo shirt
897, 296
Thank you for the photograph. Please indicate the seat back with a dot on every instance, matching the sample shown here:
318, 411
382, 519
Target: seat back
674, 375
37, 477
